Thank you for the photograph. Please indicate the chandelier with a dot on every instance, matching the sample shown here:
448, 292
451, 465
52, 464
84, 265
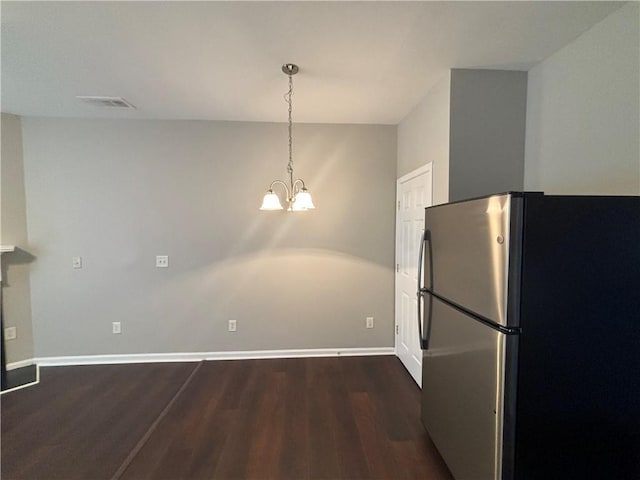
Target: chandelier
297, 195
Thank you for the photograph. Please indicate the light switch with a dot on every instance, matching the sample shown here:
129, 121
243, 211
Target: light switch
77, 262
10, 333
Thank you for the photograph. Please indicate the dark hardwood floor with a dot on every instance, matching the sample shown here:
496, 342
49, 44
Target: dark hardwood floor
314, 418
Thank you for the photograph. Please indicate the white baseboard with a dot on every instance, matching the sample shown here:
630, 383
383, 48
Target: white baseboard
198, 356
31, 384
21, 363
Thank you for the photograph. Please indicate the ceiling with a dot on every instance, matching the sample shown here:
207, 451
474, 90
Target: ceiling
360, 62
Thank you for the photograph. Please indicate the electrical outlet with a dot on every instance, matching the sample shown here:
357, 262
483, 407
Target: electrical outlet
369, 322
233, 325
116, 327
76, 262
162, 261
10, 333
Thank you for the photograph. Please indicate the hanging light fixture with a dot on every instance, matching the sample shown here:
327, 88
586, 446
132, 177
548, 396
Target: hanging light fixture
298, 197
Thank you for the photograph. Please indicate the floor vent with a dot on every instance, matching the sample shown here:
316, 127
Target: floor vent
112, 102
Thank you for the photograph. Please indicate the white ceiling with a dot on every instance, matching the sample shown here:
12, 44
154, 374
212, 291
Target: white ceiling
360, 62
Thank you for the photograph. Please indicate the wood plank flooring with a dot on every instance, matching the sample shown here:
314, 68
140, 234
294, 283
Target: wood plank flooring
313, 418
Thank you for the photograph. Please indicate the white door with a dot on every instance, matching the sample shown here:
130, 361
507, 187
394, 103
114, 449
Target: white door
414, 193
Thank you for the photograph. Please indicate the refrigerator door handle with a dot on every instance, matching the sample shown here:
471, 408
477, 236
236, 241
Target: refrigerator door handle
421, 290
420, 256
424, 342
420, 296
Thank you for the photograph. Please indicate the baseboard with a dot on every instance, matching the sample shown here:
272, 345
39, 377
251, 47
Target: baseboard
198, 356
21, 363
31, 384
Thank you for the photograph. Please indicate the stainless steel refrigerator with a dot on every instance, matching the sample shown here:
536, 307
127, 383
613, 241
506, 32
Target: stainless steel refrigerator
529, 317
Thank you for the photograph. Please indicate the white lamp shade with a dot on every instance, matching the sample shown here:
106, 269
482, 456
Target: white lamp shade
294, 207
271, 202
303, 201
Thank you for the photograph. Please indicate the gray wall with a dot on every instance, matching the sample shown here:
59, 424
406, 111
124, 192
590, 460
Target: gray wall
471, 125
423, 137
13, 231
118, 193
487, 132
582, 121
583, 112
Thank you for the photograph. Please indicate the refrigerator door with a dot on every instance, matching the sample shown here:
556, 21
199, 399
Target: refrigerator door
466, 257
462, 391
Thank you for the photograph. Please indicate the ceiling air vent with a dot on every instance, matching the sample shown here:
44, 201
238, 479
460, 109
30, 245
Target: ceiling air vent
113, 102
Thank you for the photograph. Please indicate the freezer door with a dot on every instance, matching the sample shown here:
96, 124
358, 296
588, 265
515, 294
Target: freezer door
462, 391
466, 256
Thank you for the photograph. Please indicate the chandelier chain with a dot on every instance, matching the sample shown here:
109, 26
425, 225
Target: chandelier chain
288, 96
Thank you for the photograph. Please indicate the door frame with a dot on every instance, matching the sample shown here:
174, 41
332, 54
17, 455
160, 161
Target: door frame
427, 167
